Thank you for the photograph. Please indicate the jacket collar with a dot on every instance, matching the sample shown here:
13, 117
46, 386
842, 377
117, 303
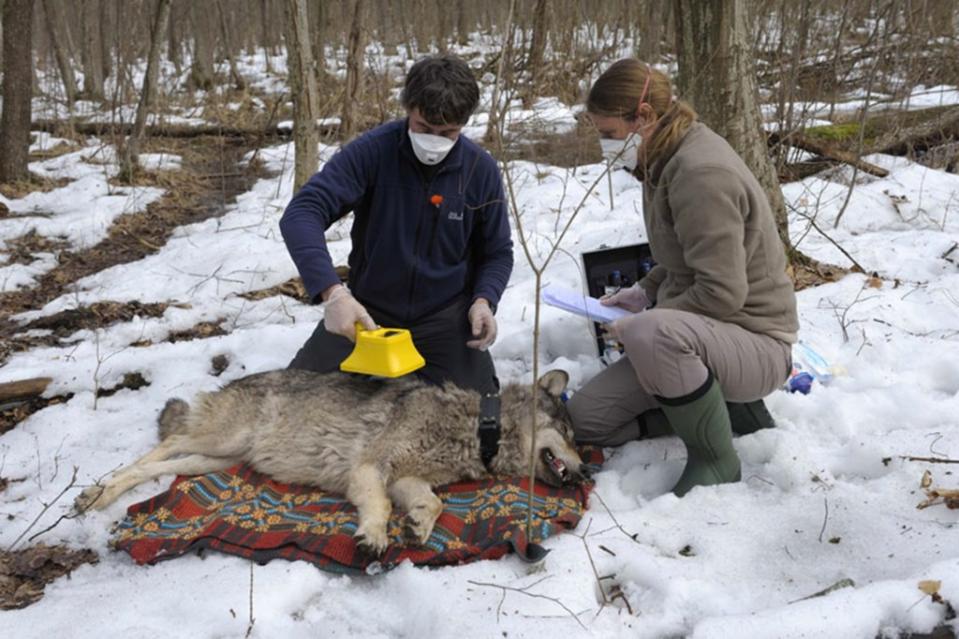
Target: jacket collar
651, 174
454, 160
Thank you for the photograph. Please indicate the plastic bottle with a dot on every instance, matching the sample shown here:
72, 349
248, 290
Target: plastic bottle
800, 382
613, 283
806, 358
808, 367
645, 266
612, 350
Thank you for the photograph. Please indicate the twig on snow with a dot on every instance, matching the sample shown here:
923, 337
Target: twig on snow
46, 507
525, 591
930, 460
825, 519
812, 222
842, 583
249, 627
589, 555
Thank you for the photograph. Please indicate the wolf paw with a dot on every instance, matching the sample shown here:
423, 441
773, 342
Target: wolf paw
372, 539
89, 499
420, 521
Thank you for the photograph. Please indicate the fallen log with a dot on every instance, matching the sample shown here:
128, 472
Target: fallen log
170, 130
796, 171
943, 127
163, 130
23, 389
942, 156
825, 150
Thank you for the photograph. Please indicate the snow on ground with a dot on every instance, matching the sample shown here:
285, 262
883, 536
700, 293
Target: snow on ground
80, 212
160, 161
42, 141
727, 561
897, 226
545, 116
826, 496
810, 114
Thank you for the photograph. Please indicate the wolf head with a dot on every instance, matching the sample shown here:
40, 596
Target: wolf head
557, 461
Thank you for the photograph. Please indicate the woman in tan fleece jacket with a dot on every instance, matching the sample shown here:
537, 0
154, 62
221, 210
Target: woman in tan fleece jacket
715, 319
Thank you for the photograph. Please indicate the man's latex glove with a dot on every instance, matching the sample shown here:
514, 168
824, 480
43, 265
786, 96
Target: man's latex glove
633, 299
483, 325
343, 312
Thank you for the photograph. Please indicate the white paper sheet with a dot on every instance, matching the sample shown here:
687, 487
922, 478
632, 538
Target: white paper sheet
577, 302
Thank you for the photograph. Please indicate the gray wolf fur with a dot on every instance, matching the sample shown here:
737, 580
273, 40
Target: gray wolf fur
378, 442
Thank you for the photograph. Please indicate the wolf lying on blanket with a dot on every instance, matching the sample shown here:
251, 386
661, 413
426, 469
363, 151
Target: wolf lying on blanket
372, 440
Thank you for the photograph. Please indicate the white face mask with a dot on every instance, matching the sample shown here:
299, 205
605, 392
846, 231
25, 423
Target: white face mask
622, 153
430, 149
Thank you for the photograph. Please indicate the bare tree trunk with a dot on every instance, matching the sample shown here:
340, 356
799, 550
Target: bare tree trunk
354, 71
90, 52
837, 52
318, 37
717, 76
53, 24
106, 55
303, 87
493, 137
227, 42
201, 70
462, 23
17, 89
265, 39
131, 154
790, 80
444, 26
654, 14
537, 51
174, 51
567, 37
397, 17
421, 28
1, 33
941, 18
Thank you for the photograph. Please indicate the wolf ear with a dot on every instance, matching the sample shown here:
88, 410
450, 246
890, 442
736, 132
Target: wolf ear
554, 382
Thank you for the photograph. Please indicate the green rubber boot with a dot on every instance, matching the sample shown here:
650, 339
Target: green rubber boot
653, 423
749, 417
701, 420
745, 419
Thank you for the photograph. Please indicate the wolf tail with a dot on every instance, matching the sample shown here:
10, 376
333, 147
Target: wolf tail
172, 418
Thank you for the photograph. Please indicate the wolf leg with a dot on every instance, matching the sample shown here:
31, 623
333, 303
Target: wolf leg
422, 506
367, 491
139, 473
95, 496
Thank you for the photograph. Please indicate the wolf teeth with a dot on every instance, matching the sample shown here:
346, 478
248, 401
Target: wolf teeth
555, 464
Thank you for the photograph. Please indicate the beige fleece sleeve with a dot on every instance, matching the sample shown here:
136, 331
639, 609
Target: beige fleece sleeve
707, 206
652, 280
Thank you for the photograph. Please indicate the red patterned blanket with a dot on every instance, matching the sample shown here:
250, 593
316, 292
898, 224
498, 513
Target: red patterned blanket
241, 512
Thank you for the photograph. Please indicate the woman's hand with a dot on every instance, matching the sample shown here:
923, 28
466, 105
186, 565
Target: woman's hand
633, 299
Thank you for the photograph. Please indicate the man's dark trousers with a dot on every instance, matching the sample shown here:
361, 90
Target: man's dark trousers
440, 338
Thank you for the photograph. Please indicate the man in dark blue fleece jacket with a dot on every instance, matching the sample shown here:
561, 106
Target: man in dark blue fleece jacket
431, 239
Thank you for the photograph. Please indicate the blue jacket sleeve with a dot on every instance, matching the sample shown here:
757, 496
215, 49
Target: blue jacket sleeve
325, 198
494, 248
